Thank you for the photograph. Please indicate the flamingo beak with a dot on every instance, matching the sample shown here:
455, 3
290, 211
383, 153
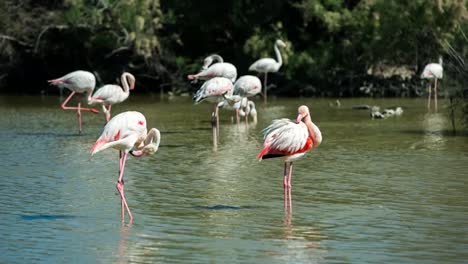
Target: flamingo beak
299, 118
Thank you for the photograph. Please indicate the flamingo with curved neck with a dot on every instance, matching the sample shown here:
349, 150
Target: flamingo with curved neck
211, 70
127, 132
113, 94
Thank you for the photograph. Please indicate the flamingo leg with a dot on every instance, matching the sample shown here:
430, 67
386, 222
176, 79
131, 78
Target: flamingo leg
214, 128
65, 107
217, 121
435, 95
108, 114
122, 205
120, 186
265, 88
429, 90
285, 185
78, 112
237, 117
289, 185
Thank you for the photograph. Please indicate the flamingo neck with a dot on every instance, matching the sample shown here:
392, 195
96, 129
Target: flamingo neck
314, 131
154, 137
150, 144
211, 59
216, 57
278, 56
125, 84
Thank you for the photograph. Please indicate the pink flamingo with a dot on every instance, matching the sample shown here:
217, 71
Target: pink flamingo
77, 82
267, 65
220, 69
113, 94
127, 133
433, 71
214, 90
290, 140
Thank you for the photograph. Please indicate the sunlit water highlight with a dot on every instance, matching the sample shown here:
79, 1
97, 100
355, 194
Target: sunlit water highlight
375, 191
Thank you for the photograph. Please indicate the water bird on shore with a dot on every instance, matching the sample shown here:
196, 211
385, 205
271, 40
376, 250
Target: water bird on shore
218, 69
266, 65
127, 132
290, 140
433, 71
111, 94
78, 82
387, 112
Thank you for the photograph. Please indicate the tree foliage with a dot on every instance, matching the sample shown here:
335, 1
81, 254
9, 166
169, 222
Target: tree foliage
335, 47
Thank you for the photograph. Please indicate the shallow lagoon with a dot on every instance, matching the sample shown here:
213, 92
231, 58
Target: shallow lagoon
375, 191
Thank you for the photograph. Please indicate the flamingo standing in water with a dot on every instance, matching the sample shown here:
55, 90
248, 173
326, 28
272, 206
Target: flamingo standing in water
266, 65
127, 133
113, 94
246, 86
433, 71
290, 140
214, 90
77, 82
219, 69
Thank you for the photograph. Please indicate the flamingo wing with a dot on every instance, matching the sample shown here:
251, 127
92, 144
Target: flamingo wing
215, 87
432, 70
110, 94
285, 137
78, 81
264, 65
124, 131
247, 86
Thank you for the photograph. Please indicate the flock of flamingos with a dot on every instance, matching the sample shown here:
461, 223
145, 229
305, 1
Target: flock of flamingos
127, 132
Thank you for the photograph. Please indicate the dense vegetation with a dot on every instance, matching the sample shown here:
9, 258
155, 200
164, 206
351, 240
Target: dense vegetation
335, 47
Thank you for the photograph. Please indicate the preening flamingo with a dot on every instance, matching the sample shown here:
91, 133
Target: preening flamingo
433, 71
266, 65
214, 90
219, 69
81, 82
113, 94
248, 108
290, 140
127, 133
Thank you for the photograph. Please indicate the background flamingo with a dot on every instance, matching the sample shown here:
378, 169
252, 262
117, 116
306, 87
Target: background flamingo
214, 90
290, 140
248, 108
246, 86
127, 133
77, 82
433, 71
266, 65
113, 94
219, 69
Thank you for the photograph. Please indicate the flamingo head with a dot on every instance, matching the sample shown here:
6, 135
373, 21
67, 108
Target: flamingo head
280, 43
302, 112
